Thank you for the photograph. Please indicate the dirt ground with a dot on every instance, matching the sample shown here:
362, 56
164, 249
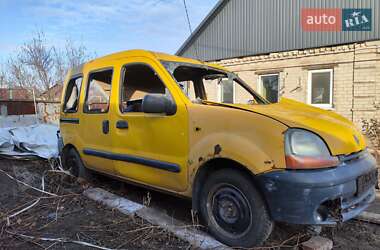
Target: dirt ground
72, 217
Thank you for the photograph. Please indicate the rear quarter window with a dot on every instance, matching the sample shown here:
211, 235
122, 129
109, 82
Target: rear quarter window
72, 93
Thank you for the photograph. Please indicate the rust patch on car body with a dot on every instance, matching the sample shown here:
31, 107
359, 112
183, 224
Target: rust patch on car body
217, 149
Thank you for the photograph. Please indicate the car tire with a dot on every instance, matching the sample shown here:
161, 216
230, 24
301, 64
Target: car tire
233, 210
73, 163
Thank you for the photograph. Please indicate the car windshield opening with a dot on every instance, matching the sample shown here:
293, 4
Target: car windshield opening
203, 83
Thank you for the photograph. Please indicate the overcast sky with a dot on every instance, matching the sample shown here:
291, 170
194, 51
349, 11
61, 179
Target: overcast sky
103, 26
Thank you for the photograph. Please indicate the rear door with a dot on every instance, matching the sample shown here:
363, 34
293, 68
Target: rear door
149, 148
70, 114
96, 119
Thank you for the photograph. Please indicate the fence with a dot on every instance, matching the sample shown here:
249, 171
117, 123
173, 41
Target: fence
22, 113
17, 108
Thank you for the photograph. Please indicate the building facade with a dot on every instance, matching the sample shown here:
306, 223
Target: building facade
345, 79
16, 101
19, 107
269, 44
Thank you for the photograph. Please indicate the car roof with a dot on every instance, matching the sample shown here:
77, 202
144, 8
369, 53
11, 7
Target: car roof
145, 53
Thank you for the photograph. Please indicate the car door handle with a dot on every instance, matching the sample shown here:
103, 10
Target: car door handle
106, 126
122, 124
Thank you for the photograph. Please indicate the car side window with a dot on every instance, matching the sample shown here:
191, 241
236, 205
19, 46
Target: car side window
138, 80
71, 100
98, 92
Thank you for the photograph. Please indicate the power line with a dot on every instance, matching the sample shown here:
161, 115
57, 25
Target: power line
187, 16
190, 29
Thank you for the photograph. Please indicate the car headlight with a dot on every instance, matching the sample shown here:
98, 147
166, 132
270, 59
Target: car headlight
306, 150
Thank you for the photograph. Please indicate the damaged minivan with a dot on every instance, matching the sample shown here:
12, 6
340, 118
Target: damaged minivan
171, 124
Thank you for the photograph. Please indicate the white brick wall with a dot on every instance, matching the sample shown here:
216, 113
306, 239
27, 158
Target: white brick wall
356, 85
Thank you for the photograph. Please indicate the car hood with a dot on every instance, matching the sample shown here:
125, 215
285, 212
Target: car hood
340, 134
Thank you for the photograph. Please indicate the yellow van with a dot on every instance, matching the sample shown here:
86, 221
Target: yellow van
161, 121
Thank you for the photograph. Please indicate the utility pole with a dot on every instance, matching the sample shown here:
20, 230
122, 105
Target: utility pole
35, 105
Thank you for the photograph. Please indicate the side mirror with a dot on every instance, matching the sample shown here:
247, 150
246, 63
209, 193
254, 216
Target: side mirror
158, 103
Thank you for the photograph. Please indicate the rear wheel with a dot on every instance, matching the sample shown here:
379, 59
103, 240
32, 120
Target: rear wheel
233, 209
73, 163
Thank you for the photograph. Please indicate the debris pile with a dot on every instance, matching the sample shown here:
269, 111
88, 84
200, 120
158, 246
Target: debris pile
42, 207
29, 141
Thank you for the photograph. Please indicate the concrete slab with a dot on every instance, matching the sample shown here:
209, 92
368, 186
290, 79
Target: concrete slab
111, 200
188, 233
197, 238
375, 206
369, 217
372, 213
317, 243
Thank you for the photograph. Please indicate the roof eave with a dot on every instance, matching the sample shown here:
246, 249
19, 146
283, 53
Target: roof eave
204, 22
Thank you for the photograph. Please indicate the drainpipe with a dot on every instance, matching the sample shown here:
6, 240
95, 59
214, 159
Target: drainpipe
353, 84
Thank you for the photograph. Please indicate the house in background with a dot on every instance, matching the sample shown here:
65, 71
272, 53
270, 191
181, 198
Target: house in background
18, 106
48, 104
16, 101
53, 94
278, 50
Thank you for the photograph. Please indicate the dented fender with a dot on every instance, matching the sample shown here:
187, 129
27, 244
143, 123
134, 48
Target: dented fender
229, 146
250, 139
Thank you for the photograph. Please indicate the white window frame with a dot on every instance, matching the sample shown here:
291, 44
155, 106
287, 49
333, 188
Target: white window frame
220, 92
309, 82
260, 84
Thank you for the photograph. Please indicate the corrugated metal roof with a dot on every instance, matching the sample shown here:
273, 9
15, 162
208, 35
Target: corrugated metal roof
236, 28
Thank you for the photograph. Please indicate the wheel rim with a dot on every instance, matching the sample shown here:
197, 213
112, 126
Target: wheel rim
229, 210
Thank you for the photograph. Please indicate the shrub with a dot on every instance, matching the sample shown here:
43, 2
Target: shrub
371, 128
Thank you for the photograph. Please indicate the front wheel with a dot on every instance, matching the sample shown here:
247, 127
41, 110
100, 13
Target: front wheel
233, 209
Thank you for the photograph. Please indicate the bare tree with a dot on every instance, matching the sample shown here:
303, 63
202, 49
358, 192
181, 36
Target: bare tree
3, 78
39, 57
60, 68
18, 74
69, 57
76, 55
39, 66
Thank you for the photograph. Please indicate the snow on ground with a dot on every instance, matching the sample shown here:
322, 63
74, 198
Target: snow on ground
11, 121
34, 140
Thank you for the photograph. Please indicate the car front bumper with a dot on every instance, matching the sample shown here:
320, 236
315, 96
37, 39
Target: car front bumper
319, 197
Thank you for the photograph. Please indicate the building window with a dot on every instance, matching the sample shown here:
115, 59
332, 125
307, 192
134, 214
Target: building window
268, 87
320, 88
188, 88
98, 92
226, 91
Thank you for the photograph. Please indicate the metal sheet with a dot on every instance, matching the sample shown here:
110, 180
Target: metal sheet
236, 28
